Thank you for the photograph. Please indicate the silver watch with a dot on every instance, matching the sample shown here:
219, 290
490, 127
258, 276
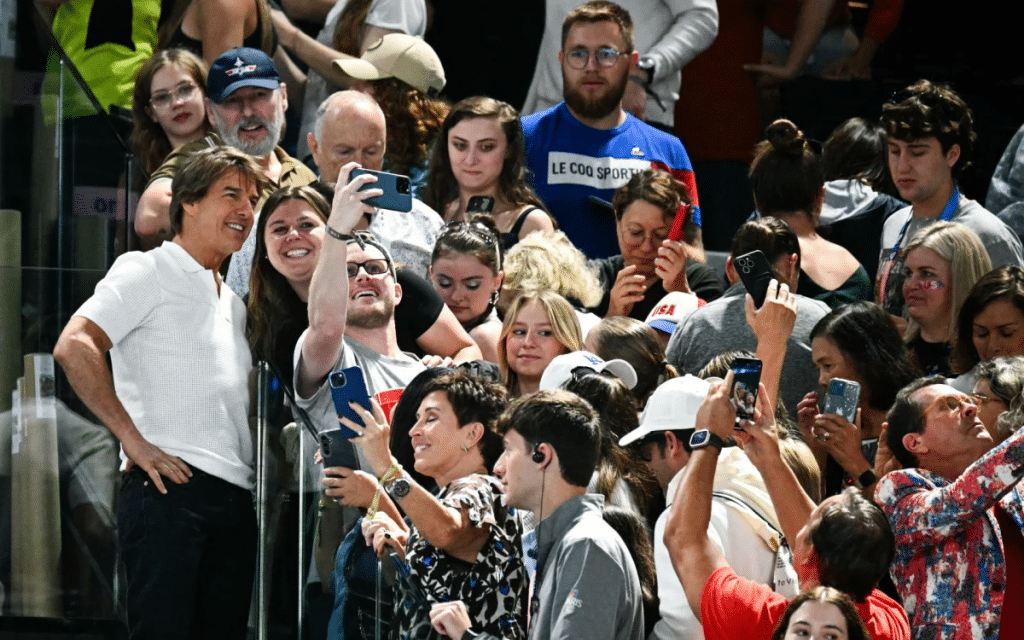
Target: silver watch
399, 487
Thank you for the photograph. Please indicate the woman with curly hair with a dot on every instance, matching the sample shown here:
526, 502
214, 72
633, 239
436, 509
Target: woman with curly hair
167, 105
481, 152
404, 76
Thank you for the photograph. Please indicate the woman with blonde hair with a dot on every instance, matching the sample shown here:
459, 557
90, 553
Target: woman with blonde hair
539, 325
943, 261
548, 260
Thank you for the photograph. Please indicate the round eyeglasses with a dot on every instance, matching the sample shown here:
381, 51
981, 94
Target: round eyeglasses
605, 57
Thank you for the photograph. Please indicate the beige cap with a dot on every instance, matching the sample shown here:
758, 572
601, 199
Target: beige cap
399, 55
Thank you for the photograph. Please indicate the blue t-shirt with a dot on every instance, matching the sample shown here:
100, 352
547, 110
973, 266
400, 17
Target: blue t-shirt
571, 161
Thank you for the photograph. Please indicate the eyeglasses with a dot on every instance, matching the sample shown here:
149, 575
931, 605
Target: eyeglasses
164, 99
374, 267
637, 237
605, 57
981, 400
953, 403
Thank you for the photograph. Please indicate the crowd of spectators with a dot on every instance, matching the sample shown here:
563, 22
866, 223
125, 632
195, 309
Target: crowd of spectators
521, 370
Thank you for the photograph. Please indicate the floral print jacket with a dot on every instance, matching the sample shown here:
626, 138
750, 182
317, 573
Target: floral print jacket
949, 565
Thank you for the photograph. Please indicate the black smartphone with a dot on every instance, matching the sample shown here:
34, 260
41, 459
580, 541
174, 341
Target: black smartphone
746, 375
348, 385
756, 273
336, 450
397, 190
842, 398
480, 204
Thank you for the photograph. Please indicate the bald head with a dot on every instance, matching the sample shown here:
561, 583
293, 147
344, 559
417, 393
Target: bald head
349, 127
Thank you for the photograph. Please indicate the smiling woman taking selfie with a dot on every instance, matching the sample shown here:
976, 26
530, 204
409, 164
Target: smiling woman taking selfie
465, 544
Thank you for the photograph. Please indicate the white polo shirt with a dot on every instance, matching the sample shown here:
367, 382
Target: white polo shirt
181, 362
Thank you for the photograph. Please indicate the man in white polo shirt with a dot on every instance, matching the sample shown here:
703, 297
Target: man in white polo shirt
181, 368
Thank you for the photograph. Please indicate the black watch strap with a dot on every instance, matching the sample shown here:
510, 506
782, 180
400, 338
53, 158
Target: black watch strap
865, 479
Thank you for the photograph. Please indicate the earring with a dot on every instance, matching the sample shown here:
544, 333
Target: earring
465, 448
494, 297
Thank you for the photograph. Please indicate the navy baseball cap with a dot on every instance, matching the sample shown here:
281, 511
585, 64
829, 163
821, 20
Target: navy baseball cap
240, 67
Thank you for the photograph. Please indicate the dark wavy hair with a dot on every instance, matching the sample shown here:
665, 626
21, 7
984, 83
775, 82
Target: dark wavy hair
513, 181
273, 304
786, 174
1003, 283
925, 109
855, 629
149, 141
413, 120
661, 189
871, 343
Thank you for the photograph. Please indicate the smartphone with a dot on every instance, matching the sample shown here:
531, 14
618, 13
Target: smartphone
842, 398
746, 377
675, 234
480, 204
348, 385
756, 273
336, 450
397, 190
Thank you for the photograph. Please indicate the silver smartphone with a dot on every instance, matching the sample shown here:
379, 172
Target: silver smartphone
842, 398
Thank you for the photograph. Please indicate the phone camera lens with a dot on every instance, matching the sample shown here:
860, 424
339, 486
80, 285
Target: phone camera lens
402, 186
338, 379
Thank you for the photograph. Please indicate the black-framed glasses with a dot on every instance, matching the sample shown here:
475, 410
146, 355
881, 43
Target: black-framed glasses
373, 267
164, 99
604, 57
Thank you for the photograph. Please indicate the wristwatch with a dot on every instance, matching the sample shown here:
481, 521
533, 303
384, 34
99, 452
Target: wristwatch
704, 438
399, 487
865, 479
646, 63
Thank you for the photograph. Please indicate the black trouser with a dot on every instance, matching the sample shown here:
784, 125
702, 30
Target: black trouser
189, 556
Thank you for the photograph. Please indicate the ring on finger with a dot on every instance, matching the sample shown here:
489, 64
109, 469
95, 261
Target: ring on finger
826, 436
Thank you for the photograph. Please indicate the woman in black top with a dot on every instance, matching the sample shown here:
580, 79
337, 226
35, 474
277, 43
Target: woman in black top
650, 265
481, 152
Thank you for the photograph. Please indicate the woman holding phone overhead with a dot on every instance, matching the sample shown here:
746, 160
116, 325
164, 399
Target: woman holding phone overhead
651, 264
478, 166
465, 544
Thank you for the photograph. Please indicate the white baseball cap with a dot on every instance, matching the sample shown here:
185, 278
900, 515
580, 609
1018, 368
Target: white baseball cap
670, 310
560, 370
672, 406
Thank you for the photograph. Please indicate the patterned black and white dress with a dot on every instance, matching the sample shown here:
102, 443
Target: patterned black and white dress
494, 588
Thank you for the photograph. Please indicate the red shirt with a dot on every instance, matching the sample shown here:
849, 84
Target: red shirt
734, 607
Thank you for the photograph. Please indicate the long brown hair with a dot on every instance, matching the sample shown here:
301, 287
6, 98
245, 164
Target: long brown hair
513, 183
348, 33
149, 141
273, 303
